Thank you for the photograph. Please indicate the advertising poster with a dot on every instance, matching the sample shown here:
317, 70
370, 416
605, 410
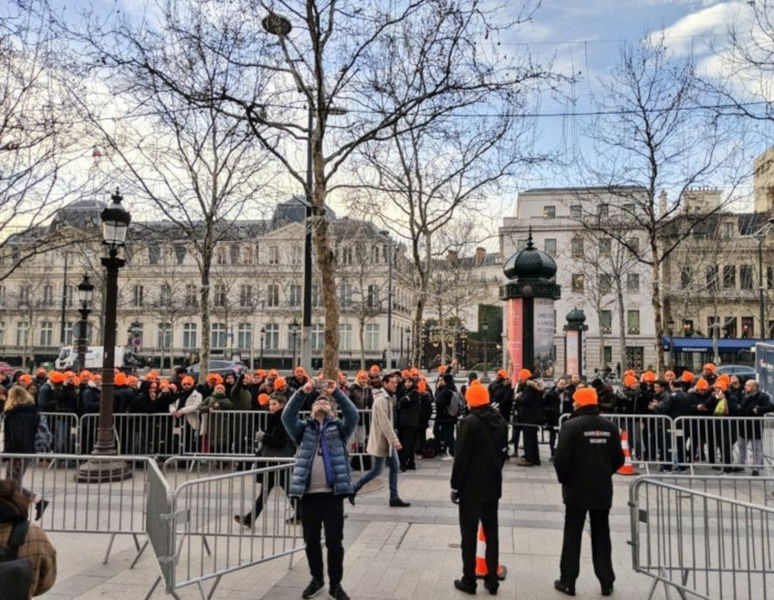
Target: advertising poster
544, 336
515, 318
571, 353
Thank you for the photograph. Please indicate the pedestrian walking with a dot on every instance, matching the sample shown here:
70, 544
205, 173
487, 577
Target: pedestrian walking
587, 454
321, 478
383, 443
476, 484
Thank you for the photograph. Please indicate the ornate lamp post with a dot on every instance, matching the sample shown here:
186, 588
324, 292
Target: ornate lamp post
85, 295
485, 334
294, 327
260, 357
115, 224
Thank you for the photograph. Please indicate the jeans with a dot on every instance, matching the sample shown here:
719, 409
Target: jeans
757, 450
376, 469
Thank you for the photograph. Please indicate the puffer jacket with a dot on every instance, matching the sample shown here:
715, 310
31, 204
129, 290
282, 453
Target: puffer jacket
305, 433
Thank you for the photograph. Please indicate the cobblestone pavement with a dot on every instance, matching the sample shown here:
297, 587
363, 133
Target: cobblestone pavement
391, 553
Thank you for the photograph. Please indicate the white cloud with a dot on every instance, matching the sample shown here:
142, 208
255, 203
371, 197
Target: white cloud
701, 30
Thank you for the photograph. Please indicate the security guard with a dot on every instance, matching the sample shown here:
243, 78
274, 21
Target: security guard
587, 455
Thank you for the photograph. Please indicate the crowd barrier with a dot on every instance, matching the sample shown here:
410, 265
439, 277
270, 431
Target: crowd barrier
702, 544
727, 443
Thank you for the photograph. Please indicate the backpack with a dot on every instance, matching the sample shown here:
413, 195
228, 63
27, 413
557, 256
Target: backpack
43, 436
455, 404
15, 573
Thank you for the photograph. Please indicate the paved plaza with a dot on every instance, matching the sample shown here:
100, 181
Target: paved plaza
391, 553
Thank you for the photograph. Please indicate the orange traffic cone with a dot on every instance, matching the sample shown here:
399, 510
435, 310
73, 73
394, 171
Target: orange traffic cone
481, 570
628, 467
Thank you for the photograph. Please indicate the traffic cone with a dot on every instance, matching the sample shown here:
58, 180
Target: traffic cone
481, 570
628, 467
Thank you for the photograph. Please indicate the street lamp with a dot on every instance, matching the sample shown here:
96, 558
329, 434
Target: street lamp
484, 331
390, 257
760, 235
260, 357
294, 334
115, 223
85, 295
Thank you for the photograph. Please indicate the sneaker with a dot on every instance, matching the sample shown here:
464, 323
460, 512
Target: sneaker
40, 508
399, 503
337, 593
468, 588
447, 457
524, 463
565, 588
315, 587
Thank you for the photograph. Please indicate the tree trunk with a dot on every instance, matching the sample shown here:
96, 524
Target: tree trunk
657, 309
204, 300
361, 336
621, 328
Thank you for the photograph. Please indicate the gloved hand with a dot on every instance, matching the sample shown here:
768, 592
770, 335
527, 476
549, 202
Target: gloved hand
454, 496
259, 435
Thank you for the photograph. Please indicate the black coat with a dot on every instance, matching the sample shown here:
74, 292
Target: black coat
276, 441
410, 409
675, 404
529, 404
20, 429
762, 402
587, 454
479, 454
442, 400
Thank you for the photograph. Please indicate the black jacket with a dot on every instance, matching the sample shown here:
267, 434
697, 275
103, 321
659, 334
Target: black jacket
443, 399
761, 401
587, 454
276, 441
20, 429
479, 454
529, 404
410, 409
675, 404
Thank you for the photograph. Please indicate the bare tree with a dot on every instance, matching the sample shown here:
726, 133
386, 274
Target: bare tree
654, 135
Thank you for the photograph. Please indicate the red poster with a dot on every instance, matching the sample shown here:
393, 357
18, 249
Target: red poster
515, 317
571, 353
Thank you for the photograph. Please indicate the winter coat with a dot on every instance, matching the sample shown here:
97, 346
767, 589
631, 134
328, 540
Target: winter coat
90, 399
410, 409
628, 400
443, 398
189, 404
123, 397
240, 396
20, 428
675, 404
501, 396
48, 397
382, 436
761, 401
529, 403
276, 441
214, 425
587, 454
552, 406
305, 433
479, 454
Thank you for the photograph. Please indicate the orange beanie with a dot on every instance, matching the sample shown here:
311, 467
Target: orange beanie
585, 396
687, 377
648, 377
119, 379
721, 384
524, 374
702, 384
56, 377
422, 386
187, 379
25, 379
710, 367
441, 369
724, 377
502, 373
631, 372
279, 383
476, 395
263, 399
630, 381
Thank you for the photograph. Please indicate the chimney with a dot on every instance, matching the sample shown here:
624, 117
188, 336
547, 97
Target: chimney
662, 203
451, 256
480, 255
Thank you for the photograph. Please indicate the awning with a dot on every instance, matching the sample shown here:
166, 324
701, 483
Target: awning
700, 344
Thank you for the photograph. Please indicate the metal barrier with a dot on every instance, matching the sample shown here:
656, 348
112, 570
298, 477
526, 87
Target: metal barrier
198, 525
115, 508
702, 544
65, 429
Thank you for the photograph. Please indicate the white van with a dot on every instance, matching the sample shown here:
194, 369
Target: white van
68, 358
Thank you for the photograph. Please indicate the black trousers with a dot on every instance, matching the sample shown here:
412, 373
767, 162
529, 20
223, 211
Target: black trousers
601, 549
470, 513
268, 482
531, 450
318, 511
408, 439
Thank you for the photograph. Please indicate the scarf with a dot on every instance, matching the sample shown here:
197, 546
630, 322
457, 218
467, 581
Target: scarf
326, 452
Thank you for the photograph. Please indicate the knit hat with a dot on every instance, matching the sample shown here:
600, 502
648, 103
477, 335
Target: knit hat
631, 372
648, 377
524, 374
119, 379
414, 372
260, 373
702, 384
85, 374
687, 377
405, 373
710, 367
263, 399
25, 379
152, 375
279, 383
721, 384
214, 378
586, 396
723, 377
630, 381
56, 377
476, 395
422, 386
187, 379
502, 373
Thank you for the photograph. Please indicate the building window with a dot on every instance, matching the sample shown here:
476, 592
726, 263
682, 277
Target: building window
729, 277
24, 294
605, 244
165, 294
165, 336
577, 247
272, 295
577, 283
375, 255
521, 244
345, 295
607, 355
634, 245
729, 327
604, 283
713, 326
274, 255
220, 255
603, 211
138, 293
296, 252
189, 335
345, 336
549, 212
632, 283
48, 295
728, 230
747, 327
218, 336
315, 295
605, 321
576, 211
346, 255
2, 295
191, 296
271, 336
244, 335
635, 357
686, 275
245, 297
68, 296
233, 251
746, 277
219, 298
372, 299
22, 333
68, 341
294, 295
633, 322
154, 254
372, 337
46, 333
769, 282
711, 275
549, 246
2, 333
318, 336
628, 209
180, 253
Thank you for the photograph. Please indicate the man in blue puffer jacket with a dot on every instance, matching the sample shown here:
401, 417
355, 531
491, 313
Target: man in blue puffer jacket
322, 478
